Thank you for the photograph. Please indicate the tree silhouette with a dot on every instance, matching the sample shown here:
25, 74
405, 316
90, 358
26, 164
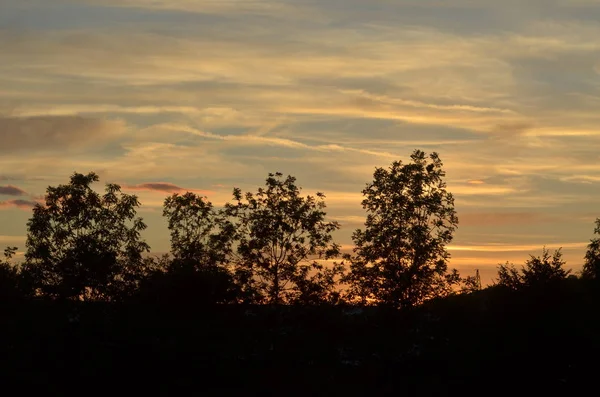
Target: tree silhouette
199, 234
280, 236
400, 258
472, 283
83, 245
537, 270
509, 276
591, 267
182, 282
201, 241
9, 275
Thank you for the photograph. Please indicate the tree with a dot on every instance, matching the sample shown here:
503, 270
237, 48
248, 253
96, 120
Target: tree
200, 235
471, 283
400, 258
9, 275
509, 276
173, 282
201, 245
545, 268
83, 245
280, 238
537, 270
591, 267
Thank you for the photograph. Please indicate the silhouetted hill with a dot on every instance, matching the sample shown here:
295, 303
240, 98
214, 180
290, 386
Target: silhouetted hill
542, 339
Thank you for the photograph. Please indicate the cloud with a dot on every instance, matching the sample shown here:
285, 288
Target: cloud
11, 191
44, 133
471, 189
11, 239
587, 179
511, 247
76, 109
227, 7
502, 218
276, 141
164, 187
21, 204
349, 220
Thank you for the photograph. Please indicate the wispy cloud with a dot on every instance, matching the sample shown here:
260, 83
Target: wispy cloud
491, 219
10, 190
480, 190
164, 187
275, 141
4, 239
227, 7
512, 248
21, 204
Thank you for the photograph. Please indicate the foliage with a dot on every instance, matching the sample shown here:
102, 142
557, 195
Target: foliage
83, 245
201, 245
199, 234
9, 275
280, 237
509, 276
537, 270
471, 283
180, 285
400, 257
542, 269
591, 267
5, 264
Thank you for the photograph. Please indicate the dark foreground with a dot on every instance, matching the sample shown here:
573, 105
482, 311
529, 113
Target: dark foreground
490, 342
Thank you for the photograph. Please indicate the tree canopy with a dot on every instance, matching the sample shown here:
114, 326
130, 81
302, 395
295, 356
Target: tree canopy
9, 275
199, 233
201, 244
400, 258
591, 267
84, 245
537, 270
281, 238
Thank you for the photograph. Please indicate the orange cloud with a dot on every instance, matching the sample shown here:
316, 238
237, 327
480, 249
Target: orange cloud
164, 187
513, 248
21, 204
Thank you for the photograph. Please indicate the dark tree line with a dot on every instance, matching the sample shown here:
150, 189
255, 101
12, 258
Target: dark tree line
274, 246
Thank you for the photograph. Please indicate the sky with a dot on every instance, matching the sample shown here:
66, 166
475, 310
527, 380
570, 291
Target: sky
165, 96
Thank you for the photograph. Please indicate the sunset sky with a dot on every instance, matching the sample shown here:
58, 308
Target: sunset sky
163, 96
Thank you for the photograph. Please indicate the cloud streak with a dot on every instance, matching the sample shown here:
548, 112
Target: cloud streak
512, 248
17, 203
275, 141
10, 190
164, 187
